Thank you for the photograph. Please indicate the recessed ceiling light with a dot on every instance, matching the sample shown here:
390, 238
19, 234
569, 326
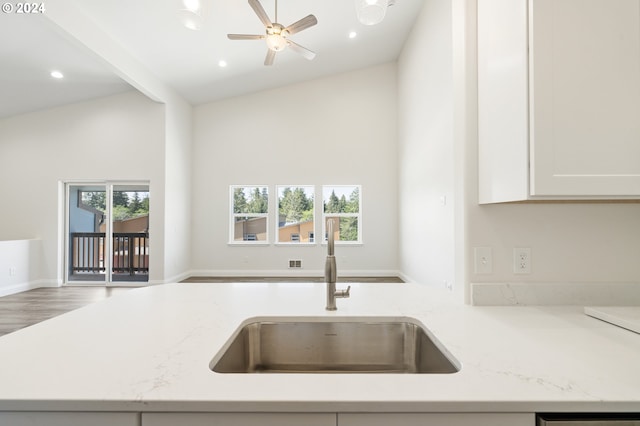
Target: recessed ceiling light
190, 19
222, 63
353, 34
192, 5
56, 74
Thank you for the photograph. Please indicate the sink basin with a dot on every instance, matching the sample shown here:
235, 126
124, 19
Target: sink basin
329, 345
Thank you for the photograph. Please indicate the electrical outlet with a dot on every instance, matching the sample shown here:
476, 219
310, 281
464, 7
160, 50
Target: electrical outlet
483, 260
521, 260
12, 271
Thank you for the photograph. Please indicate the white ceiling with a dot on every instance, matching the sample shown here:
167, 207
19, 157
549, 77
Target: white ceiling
187, 60
30, 49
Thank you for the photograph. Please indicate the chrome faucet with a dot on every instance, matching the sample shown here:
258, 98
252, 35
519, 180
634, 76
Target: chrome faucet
330, 272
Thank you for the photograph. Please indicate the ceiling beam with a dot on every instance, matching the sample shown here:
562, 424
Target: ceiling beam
81, 29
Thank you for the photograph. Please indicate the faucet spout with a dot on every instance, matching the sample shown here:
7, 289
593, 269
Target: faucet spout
330, 272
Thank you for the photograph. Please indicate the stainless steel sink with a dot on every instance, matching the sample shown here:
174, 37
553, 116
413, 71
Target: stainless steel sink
329, 345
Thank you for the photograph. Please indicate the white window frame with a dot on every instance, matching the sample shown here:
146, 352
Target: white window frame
233, 215
358, 216
277, 214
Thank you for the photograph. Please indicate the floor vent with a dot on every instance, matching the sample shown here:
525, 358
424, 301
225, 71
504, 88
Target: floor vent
295, 264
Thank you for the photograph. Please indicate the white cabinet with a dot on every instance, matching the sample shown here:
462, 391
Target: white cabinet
239, 419
339, 419
42, 418
437, 419
264, 419
558, 99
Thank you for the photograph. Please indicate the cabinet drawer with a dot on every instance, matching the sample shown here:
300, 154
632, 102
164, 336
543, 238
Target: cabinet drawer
436, 419
44, 418
239, 419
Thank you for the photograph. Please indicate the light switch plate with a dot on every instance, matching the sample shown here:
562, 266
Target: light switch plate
482, 260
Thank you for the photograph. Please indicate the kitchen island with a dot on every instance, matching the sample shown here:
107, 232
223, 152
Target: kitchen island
149, 351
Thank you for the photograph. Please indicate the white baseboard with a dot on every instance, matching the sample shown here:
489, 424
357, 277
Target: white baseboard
31, 285
531, 294
405, 278
174, 279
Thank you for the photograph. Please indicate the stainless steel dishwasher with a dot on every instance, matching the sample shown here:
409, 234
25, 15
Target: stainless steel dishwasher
589, 419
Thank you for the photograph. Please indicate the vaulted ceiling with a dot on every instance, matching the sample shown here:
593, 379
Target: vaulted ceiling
151, 32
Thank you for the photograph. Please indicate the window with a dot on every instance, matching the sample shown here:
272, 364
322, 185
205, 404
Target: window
249, 214
296, 223
342, 205
294, 215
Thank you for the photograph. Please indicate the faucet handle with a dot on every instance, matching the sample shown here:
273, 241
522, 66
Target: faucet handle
344, 293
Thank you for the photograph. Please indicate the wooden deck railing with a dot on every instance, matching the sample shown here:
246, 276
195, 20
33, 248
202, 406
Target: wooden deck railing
130, 254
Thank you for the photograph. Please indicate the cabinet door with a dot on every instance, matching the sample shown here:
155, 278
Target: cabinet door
238, 419
585, 97
503, 101
439, 419
69, 419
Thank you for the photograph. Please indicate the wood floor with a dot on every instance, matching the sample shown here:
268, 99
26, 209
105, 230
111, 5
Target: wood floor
31, 307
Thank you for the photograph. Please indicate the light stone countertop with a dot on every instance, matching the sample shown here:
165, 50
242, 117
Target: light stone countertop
149, 349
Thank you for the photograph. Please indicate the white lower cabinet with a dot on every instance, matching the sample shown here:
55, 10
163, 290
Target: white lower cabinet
59, 418
436, 419
264, 419
238, 419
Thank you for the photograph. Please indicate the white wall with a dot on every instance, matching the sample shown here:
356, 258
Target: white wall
19, 265
117, 137
426, 151
578, 243
335, 130
584, 243
177, 191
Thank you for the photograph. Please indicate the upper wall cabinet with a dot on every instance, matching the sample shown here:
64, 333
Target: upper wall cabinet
558, 99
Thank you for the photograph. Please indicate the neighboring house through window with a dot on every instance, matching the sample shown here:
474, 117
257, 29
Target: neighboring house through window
250, 214
295, 214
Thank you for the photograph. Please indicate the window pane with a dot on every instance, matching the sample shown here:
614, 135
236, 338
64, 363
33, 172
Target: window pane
341, 199
347, 229
250, 199
250, 228
295, 214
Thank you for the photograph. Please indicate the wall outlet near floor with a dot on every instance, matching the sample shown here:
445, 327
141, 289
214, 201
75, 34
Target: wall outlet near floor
12, 271
482, 260
521, 260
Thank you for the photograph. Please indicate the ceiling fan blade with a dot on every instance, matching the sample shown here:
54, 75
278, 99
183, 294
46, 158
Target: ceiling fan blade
245, 37
271, 55
303, 24
257, 7
301, 50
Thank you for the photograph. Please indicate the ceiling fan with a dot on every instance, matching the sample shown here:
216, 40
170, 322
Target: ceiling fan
277, 36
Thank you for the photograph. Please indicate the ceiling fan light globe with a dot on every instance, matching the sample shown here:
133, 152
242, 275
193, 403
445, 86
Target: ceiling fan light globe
371, 12
276, 42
